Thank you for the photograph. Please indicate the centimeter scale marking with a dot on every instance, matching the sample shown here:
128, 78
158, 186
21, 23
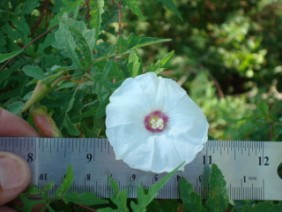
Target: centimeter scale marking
252, 170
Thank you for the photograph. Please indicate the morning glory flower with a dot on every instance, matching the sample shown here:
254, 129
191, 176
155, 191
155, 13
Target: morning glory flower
153, 125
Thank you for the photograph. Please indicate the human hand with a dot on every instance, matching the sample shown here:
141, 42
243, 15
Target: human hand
14, 172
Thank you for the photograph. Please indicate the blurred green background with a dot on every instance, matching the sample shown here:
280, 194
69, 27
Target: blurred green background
228, 55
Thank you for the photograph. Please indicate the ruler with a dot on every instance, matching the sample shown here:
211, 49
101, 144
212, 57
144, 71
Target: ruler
252, 170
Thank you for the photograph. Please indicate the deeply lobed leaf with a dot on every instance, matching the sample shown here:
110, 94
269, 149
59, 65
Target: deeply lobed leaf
191, 200
144, 197
217, 197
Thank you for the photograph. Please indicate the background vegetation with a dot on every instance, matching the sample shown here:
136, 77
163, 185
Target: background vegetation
226, 54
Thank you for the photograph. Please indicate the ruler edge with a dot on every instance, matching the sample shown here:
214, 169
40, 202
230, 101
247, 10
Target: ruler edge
208, 144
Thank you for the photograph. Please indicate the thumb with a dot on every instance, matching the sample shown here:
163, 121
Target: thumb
14, 176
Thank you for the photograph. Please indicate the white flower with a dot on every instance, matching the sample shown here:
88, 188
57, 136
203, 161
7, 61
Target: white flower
153, 125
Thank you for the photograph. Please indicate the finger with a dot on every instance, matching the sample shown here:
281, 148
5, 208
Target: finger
6, 209
14, 176
12, 125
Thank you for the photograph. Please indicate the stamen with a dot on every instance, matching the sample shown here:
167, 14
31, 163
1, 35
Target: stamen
156, 121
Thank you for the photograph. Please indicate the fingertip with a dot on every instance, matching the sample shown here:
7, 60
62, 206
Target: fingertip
12, 125
14, 176
6, 209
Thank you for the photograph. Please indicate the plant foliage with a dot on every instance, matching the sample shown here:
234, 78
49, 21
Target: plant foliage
69, 56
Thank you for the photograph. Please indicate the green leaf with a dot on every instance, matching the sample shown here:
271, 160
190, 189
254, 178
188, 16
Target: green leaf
43, 87
69, 7
144, 198
164, 205
191, 200
160, 65
71, 101
65, 41
103, 86
75, 41
171, 6
134, 64
126, 45
107, 209
4, 75
119, 198
34, 71
262, 207
28, 6
33, 190
66, 184
22, 29
217, 198
96, 15
70, 127
14, 105
29, 204
85, 38
7, 56
40, 91
134, 6
67, 121
88, 199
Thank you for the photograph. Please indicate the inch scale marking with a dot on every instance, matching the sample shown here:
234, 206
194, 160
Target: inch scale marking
250, 168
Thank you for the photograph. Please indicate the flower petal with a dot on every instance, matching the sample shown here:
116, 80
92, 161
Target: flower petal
157, 154
125, 138
161, 150
168, 94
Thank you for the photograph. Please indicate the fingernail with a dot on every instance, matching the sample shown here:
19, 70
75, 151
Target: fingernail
11, 172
